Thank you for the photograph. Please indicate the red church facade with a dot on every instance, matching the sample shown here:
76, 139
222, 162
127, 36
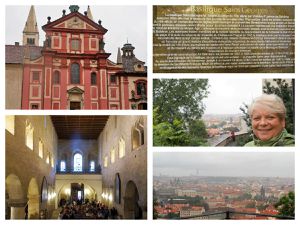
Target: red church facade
72, 70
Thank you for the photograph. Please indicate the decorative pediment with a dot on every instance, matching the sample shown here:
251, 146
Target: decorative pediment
74, 20
75, 90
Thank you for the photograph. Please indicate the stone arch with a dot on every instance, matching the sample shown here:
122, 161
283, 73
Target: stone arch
64, 193
14, 187
132, 209
33, 196
14, 198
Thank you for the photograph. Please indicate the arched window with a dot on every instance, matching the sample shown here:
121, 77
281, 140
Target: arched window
41, 149
113, 155
93, 78
29, 135
141, 88
121, 148
62, 166
138, 137
56, 77
75, 73
10, 124
92, 166
77, 162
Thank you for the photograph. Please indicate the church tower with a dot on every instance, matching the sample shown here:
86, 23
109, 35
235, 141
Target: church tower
31, 32
89, 13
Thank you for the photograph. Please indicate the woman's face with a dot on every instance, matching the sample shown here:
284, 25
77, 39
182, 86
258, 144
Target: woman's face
266, 124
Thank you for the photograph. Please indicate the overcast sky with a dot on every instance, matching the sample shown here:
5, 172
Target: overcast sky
122, 23
259, 164
227, 95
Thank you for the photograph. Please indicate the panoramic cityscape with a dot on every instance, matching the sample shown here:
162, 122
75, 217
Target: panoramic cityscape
223, 186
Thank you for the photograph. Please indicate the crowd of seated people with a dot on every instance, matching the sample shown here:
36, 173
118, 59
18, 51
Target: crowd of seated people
87, 210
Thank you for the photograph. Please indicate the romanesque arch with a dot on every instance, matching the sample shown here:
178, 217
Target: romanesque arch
33, 196
132, 209
15, 201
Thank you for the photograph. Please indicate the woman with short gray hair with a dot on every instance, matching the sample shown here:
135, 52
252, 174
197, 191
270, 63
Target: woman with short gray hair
267, 113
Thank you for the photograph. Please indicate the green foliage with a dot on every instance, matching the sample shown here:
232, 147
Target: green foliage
246, 116
245, 196
179, 98
172, 216
286, 205
177, 111
286, 92
167, 134
197, 201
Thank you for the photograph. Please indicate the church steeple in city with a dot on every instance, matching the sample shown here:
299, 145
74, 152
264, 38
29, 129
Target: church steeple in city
89, 13
119, 57
31, 31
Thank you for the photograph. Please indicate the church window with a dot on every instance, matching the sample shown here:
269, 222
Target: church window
75, 44
30, 41
29, 135
41, 148
77, 162
10, 124
113, 79
141, 88
92, 166
113, 155
93, 78
52, 161
56, 77
138, 136
62, 166
35, 77
121, 148
34, 106
75, 73
105, 161
48, 158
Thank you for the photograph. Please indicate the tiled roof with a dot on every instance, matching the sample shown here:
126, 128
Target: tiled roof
129, 62
16, 53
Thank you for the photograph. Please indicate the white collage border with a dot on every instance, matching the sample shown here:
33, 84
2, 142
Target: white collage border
150, 150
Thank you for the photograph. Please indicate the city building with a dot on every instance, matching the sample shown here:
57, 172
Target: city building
72, 70
55, 162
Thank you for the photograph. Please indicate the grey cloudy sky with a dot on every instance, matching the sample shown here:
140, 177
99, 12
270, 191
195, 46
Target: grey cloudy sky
227, 95
122, 23
260, 164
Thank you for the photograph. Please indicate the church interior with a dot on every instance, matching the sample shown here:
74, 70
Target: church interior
75, 167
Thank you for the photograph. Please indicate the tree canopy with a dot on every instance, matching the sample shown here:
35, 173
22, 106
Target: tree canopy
177, 111
285, 91
286, 205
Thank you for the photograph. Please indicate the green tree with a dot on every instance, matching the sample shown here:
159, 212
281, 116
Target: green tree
179, 98
246, 116
170, 134
197, 133
177, 112
286, 92
286, 205
172, 215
